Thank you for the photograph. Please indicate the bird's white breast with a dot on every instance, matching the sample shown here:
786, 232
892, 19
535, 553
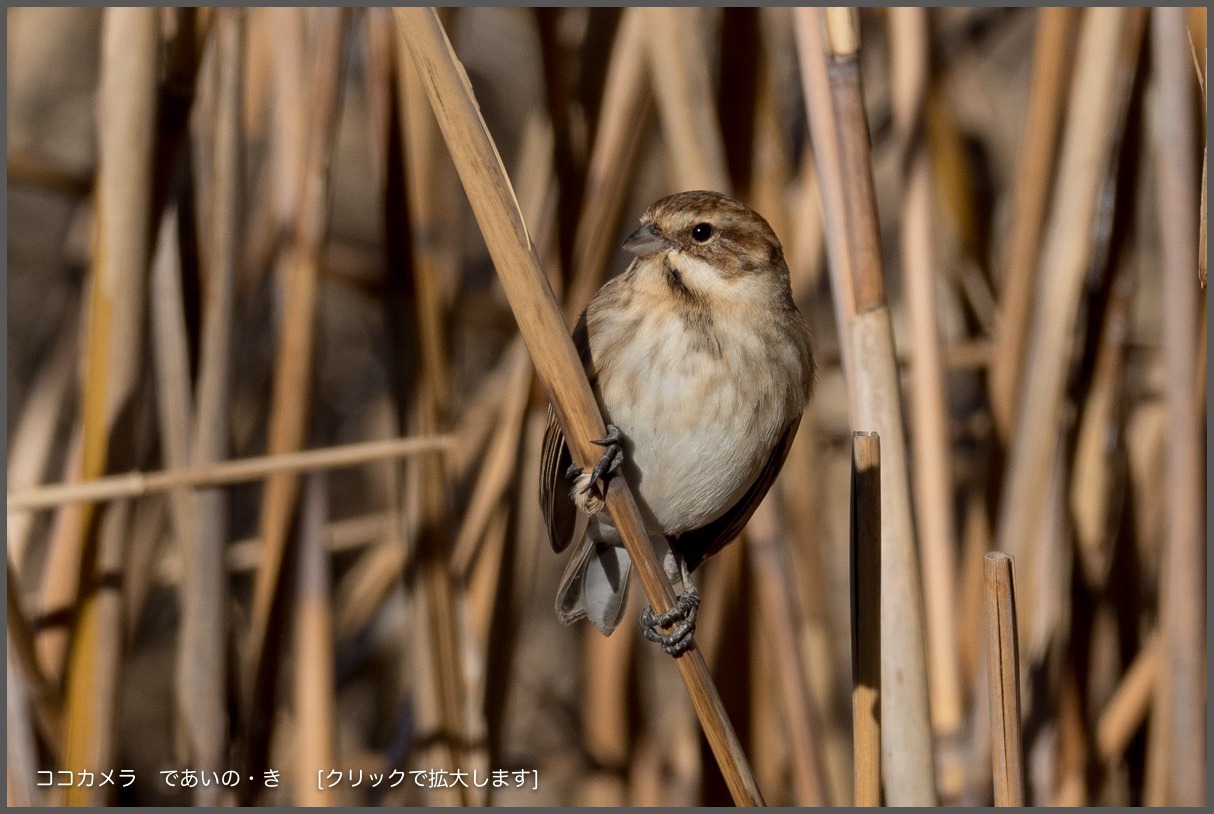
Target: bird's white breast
698, 427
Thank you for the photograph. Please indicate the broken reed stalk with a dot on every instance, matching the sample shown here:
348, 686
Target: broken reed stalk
1052, 50
112, 370
907, 746
1182, 578
551, 347
242, 470
1087, 148
1003, 673
866, 634
933, 488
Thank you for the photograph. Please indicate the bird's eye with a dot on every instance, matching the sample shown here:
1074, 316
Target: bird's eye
701, 232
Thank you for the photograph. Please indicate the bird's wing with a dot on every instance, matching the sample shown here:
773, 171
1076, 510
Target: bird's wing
560, 513
561, 516
699, 544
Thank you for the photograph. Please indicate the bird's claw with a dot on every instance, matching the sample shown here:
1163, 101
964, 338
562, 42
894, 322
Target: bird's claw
610, 461
683, 616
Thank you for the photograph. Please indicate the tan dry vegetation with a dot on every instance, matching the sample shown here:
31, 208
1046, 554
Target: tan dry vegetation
240, 234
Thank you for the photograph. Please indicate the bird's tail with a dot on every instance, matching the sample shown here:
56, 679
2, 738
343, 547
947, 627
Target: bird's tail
595, 585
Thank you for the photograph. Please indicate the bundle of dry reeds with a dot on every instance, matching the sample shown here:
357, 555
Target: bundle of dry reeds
289, 293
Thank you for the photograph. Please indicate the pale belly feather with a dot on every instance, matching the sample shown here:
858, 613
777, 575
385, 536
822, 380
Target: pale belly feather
698, 430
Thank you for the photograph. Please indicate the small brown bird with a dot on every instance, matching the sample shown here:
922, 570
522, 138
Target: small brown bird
702, 365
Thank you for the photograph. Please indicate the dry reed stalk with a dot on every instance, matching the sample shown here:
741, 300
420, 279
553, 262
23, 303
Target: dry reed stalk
202, 665
1047, 92
21, 764
242, 470
780, 612
60, 582
476, 423
816, 83
866, 587
446, 678
175, 409
1182, 578
1097, 475
147, 535
94, 670
605, 665
551, 348
1121, 718
293, 363
38, 693
1048, 624
1125, 711
127, 102
363, 589
933, 490
33, 438
315, 748
767, 739
678, 59
497, 468
907, 748
1003, 670
46, 173
1201, 221
422, 145
624, 116
483, 582
1085, 154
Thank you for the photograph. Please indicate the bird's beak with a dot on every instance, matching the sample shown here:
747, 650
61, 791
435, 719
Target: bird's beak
645, 240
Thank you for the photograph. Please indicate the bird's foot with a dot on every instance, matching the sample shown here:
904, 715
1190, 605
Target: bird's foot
682, 616
589, 491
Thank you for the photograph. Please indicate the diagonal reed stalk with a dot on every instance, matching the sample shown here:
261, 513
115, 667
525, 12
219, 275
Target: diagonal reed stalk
552, 352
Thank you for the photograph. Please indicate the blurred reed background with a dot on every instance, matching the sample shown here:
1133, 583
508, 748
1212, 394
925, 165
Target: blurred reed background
238, 233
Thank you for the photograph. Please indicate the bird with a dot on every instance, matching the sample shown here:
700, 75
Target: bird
702, 366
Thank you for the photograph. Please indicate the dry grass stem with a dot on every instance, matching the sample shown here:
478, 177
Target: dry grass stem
818, 105
130, 47
933, 492
1047, 92
1084, 158
1003, 672
1184, 554
907, 748
867, 566
137, 484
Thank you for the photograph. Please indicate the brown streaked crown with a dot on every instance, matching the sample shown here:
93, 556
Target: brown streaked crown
718, 230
